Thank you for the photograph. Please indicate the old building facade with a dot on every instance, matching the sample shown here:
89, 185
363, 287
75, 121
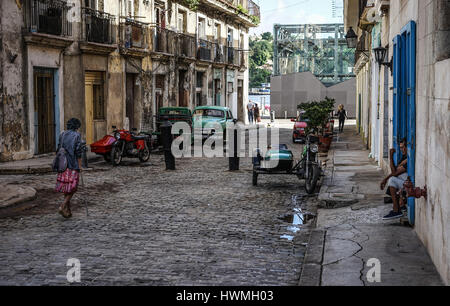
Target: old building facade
406, 96
115, 63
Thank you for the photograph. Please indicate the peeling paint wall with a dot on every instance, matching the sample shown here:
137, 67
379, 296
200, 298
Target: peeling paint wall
433, 123
171, 67
14, 134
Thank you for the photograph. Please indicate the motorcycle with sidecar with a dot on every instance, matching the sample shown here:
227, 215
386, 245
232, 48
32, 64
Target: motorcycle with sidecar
123, 143
280, 160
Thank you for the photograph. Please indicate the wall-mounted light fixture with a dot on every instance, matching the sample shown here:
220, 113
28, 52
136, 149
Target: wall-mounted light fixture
380, 56
352, 38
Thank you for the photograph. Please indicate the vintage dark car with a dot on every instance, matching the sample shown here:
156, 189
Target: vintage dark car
174, 115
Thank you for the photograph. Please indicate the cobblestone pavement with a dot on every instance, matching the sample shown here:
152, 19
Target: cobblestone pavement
199, 225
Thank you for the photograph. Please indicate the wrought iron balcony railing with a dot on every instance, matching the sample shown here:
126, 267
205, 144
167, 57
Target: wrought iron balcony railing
164, 41
97, 26
47, 17
253, 9
204, 50
232, 56
133, 34
219, 53
186, 45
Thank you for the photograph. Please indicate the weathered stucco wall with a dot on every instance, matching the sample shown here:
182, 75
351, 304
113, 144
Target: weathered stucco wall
14, 134
433, 132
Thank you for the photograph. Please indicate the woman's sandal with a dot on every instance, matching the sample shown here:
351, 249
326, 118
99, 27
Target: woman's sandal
65, 213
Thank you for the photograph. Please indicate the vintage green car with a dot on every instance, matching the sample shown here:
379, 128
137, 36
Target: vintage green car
204, 115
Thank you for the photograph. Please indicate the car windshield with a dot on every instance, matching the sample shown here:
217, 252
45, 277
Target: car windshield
173, 112
302, 118
209, 113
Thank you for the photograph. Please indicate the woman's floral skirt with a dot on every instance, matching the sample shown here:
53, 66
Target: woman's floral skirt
67, 182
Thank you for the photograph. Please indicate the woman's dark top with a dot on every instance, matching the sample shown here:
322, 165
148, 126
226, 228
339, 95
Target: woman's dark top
342, 114
71, 142
256, 111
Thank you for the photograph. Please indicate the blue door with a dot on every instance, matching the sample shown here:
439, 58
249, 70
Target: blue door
404, 116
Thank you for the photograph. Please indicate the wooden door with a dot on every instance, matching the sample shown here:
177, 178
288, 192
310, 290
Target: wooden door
45, 107
89, 104
130, 99
93, 79
240, 92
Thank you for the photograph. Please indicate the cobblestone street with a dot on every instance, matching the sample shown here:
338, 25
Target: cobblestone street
199, 225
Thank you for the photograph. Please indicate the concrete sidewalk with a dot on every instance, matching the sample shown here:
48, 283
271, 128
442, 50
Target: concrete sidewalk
350, 231
37, 165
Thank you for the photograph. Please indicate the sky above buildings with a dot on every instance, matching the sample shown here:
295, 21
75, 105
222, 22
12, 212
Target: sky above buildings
297, 12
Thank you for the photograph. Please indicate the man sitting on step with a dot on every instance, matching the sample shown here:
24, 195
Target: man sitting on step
396, 180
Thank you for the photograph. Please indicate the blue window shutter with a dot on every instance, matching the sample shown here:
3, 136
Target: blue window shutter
397, 89
411, 105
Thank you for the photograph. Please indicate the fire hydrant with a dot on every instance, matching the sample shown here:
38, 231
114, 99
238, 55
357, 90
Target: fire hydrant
414, 192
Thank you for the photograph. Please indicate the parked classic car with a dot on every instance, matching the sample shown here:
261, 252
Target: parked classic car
204, 115
300, 125
174, 114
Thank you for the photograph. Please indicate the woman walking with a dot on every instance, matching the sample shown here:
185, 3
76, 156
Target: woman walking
342, 115
67, 181
257, 114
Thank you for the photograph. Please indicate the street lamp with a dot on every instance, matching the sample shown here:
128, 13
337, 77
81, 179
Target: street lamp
380, 55
352, 38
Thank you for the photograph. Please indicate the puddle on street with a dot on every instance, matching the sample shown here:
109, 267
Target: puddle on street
297, 219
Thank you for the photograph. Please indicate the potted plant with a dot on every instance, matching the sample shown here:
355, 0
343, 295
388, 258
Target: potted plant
318, 114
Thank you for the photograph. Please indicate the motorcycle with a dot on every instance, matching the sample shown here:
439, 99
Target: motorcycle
123, 143
280, 160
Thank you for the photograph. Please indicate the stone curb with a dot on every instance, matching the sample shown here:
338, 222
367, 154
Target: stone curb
17, 195
36, 169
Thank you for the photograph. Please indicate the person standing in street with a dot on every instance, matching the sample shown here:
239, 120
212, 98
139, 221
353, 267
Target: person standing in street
250, 112
67, 181
342, 115
257, 114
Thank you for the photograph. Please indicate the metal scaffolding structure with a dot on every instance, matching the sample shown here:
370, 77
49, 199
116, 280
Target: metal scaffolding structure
318, 48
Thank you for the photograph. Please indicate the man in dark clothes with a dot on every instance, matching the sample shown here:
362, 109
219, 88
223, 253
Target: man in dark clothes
396, 180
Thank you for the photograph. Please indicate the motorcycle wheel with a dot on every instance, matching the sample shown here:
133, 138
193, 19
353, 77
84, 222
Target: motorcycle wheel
311, 180
116, 156
144, 155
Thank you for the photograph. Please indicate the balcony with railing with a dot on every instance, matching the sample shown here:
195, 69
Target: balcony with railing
219, 53
46, 22
134, 37
247, 10
165, 41
187, 45
243, 59
204, 50
253, 9
232, 57
97, 26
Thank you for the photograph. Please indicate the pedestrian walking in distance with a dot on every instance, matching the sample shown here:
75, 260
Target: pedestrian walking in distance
342, 115
257, 114
250, 112
67, 181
